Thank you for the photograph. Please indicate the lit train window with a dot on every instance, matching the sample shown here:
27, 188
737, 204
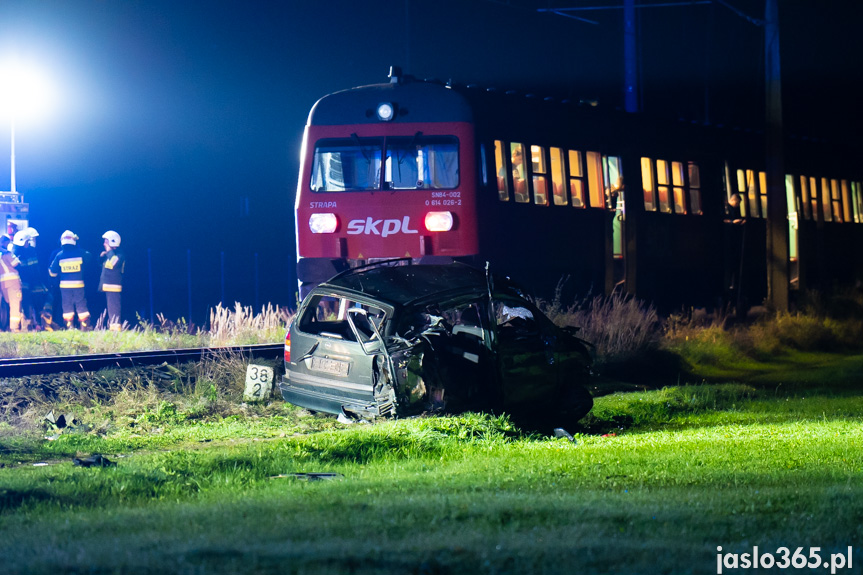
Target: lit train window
539, 175
576, 179
826, 203
500, 170
662, 181
837, 201
421, 163
677, 183
348, 164
694, 189
647, 185
558, 177
519, 182
792, 201
613, 180
857, 201
846, 202
813, 194
747, 187
806, 202
594, 180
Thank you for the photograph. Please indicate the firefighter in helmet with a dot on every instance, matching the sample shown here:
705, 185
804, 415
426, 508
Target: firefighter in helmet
35, 296
69, 264
111, 280
10, 282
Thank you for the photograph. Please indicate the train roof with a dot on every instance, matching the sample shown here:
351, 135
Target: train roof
413, 101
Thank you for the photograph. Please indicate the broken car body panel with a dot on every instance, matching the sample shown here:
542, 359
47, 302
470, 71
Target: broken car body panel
395, 340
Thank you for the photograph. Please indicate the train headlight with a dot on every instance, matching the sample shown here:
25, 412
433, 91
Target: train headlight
439, 221
386, 112
323, 223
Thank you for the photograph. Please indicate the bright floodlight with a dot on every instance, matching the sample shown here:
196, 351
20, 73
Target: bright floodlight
25, 91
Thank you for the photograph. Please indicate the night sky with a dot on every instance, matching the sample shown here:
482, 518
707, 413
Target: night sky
178, 124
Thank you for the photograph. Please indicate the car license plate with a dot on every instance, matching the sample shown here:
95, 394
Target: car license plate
332, 366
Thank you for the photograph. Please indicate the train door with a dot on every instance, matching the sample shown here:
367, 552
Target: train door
794, 205
612, 175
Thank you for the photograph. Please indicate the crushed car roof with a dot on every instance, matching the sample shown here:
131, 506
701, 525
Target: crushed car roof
404, 284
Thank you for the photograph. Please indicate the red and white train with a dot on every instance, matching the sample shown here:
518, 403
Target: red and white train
672, 213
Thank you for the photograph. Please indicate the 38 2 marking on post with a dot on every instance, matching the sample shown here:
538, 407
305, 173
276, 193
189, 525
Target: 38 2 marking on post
259, 382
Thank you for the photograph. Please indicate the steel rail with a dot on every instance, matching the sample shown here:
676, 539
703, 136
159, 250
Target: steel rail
26, 366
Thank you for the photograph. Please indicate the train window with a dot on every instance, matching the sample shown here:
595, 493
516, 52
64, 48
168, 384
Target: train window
813, 194
826, 203
806, 203
500, 170
694, 189
846, 201
741, 191
762, 181
558, 177
857, 201
539, 175
836, 200
662, 181
677, 183
576, 179
421, 163
647, 184
519, 183
348, 164
594, 180
613, 182
748, 188
792, 202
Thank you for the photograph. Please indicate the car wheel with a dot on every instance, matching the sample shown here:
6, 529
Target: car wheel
576, 402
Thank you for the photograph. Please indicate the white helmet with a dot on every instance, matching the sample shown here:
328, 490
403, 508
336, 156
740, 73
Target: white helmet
68, 237
20, 238
31, 233
112, 237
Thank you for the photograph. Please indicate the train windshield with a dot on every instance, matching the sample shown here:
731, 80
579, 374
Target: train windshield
409, 163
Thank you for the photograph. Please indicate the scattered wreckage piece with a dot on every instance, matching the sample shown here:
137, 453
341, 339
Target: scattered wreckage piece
320, 476
401, 340
95, 460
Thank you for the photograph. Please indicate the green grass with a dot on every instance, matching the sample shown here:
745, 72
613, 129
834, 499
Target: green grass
686, 469
237, 326
755, 443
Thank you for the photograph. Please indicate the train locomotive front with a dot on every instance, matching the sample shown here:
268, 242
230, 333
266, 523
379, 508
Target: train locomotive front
386, 172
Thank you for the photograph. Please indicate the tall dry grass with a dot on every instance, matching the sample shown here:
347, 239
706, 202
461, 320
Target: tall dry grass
242, 325
618, 325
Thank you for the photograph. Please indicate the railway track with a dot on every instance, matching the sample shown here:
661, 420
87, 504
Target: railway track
26, 366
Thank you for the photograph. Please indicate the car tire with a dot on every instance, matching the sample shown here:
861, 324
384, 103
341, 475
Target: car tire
577, 402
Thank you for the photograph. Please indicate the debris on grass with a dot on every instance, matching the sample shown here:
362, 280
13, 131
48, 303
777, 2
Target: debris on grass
309, 476
95, 460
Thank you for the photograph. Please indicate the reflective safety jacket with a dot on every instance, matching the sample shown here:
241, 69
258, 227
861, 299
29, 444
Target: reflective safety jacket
69, 265
29, 269
8, 274
113, 265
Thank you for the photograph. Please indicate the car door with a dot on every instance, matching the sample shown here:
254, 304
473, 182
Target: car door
525, 345
334, 353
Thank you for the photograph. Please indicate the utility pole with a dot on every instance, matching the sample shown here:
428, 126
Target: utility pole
630, 56
777, 209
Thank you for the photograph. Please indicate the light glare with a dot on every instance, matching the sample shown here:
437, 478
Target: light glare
25, 91
439, 221
323, 223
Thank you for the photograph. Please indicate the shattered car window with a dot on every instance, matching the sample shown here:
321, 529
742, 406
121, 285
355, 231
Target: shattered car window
327, 315
514, 320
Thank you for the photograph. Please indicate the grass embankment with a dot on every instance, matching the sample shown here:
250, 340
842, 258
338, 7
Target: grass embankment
657, 480
237, 326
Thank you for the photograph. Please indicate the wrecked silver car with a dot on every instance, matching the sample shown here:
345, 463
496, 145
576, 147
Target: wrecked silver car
399, 340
